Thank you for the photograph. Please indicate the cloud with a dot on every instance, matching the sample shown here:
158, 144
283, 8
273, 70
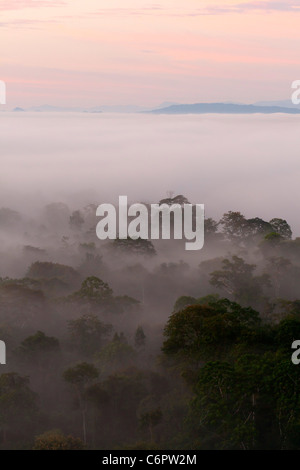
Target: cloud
127, 157
28, 24
7, 5
146, 10
255, 6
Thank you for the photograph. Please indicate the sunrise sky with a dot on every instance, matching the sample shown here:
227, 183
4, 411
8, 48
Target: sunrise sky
96, 52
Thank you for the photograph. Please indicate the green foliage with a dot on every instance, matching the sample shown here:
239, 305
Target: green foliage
47, 270
139, 338
81, 377
234, 226
241, 231
222, 407
257, 228
17, 297
185, 301
39, 349
76, 220
179, 199
138, 246
94, 289
116, 355
18, 405
246, 389
273, 237
237, 279
97, 395
88, 333
225, 379
287, 332
126, 304
125, 391
210, 228
202, 331
56, 440
150, 420
281, 227
81, 374
38, 344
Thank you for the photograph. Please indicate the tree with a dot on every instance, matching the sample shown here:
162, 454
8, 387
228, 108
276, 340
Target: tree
116, 355
39, 349
278, 267
237, 279
179, 199
90, 216
258, 228
88, 333
234, 226
282, 227
201, 332
48, 270
240, 230
270, 243
56, 440
76, 220
81, 374
210, 228
284, 387
126, 304
289, 308
98, 399
185, 301
245, 387
224, 406
138, 246
20, 304
80, 377
94, 289
149, 420
125, 391
18, 405
139, 338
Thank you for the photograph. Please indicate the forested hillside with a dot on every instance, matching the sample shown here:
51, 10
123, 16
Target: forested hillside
138, 344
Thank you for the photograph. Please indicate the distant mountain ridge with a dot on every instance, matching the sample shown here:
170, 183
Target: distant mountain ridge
223, 108
281, 103
268, 107
126, 109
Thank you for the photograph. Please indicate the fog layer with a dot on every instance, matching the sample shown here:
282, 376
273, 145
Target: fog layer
245, 163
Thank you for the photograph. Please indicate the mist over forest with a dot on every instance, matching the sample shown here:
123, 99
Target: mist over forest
140, 344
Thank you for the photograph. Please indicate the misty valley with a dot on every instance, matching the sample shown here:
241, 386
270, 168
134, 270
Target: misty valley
149, 229
141, 344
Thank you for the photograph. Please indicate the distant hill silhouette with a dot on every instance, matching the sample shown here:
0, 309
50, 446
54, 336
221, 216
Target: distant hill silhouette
223, 108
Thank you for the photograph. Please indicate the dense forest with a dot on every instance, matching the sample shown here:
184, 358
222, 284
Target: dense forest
134, 344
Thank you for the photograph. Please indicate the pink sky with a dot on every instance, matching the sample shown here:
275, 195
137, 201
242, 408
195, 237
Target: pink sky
96, 52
